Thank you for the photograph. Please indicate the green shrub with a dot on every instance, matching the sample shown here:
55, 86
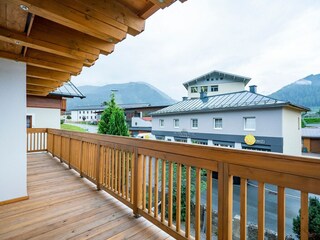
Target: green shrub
314, 220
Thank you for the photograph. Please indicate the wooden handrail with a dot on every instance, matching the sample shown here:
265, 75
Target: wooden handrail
146, 175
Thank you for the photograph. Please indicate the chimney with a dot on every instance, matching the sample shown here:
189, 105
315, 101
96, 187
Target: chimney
203, 95
253, 88
184, 98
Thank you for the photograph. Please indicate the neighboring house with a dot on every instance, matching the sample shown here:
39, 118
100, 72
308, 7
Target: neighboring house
93, 113
241, 119
140, 125
311, 139
45, 112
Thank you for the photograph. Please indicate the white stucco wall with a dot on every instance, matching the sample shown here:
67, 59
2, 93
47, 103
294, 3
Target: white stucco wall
291, 127
44, 117
268, 122
13, 160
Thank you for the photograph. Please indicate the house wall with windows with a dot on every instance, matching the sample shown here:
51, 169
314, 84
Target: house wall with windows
214, 88
267, 130
85, 115
13, 159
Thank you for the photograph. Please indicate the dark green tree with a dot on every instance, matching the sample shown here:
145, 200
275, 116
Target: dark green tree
314, 220
113, 120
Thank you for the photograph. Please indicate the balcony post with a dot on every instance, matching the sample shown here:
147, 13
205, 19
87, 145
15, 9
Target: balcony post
138, 179
98, 167
225, 197
81, 159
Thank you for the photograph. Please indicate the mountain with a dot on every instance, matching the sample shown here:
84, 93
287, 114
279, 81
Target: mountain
127, 93
304, 92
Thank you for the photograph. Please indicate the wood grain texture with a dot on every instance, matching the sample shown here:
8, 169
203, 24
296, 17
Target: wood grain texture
73, 210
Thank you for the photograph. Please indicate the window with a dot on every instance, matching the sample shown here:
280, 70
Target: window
194, 123
29, 121
194, 89
176, 123
161, 122
204, 88
199, 141
87, 112
250, 123
217, 123
182, 140
79, 117
214, 88
299, 123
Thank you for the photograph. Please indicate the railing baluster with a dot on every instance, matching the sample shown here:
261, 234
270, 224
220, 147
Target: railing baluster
281, 213
150, 186
144, 193
98, 166
209, 205
138, 181
243, 209
163, 191
178, 198
119, 171
304, 229
198, 203
170, 187
69, 153
133, 176
123, 178
156, 179
112, 168
81, 159
127, 175
261, 210
188, 198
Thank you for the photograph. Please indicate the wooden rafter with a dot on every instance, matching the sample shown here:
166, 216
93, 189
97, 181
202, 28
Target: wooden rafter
42, 82
47, 74
57, 11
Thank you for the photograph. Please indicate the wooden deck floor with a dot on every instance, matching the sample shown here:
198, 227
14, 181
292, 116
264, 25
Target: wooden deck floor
64, 206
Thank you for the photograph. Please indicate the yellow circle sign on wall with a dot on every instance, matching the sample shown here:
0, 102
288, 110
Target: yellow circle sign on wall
249, 139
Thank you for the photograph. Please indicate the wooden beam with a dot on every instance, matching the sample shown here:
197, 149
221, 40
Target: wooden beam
72, 18
40, 88
163, 3
33, 53
76, 36
23, 40
47, 74
114, 13
40, 63
35, 93
149, 9
43, 83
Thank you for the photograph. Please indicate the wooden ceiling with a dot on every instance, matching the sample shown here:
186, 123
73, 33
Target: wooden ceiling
56, 38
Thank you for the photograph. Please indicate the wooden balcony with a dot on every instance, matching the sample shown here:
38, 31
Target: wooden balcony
154, 180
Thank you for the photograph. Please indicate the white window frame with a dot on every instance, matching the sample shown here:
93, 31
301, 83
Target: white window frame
204, 89
214, 123
175, 121
194, 88
245, 124
214, 86
194, 119
161, 123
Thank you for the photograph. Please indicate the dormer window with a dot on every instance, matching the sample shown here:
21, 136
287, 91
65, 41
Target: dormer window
204, 88
194, 89
214, 88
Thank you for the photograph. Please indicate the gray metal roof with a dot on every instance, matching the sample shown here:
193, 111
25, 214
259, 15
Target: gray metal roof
310, 132
218, 73
225, 102
68, 90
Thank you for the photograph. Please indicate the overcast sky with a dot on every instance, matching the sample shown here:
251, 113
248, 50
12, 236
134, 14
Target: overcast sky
275, 42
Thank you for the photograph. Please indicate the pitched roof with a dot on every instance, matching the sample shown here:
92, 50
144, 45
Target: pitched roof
225, 102
310, 132
219, 73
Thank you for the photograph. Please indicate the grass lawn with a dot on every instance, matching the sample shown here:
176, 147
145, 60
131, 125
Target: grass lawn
312, 120
71, 128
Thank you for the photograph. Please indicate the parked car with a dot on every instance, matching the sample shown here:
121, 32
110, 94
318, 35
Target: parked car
146, 136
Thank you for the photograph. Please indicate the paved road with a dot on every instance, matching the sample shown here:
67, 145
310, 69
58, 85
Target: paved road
89, 128
292, 204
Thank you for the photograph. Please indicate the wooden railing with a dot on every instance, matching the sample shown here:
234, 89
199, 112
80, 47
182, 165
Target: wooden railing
148, 176
36, 139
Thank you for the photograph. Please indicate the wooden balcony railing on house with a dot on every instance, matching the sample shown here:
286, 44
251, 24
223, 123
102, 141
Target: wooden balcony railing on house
148, 177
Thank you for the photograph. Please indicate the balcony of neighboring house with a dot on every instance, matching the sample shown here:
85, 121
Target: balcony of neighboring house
84, 185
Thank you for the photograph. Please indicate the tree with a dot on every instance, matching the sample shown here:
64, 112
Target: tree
113, 120
314, 220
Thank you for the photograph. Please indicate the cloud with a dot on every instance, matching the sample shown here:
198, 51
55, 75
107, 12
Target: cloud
273, 42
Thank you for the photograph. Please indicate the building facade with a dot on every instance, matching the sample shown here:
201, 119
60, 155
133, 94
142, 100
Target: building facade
241, 120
